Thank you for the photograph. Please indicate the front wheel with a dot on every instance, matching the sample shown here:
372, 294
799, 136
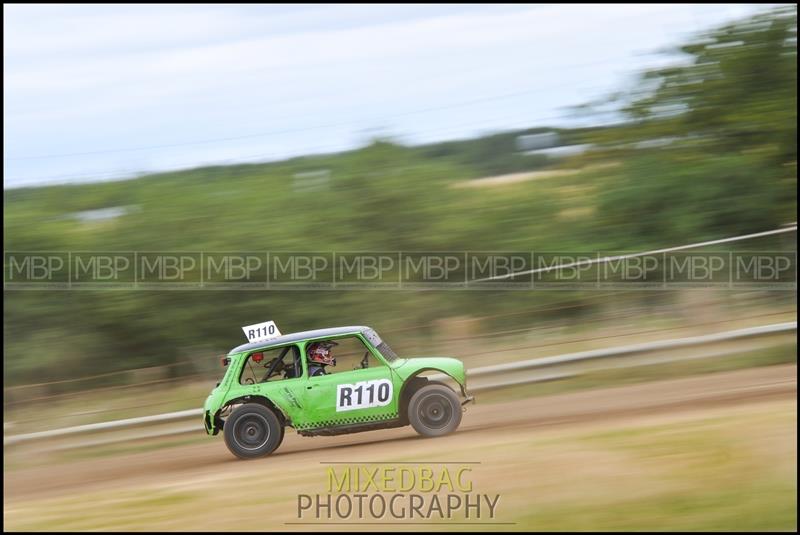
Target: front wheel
434, 410
253, 430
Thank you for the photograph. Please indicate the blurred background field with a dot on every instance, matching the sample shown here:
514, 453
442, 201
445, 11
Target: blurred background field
724, 166
703, 146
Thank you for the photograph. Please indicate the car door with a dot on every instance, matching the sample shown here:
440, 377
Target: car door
351, 394
283, 385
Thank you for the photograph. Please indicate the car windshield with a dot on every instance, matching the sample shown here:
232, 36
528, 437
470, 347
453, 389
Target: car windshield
380, 345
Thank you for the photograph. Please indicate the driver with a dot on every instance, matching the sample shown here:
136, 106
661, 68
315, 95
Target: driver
319, 356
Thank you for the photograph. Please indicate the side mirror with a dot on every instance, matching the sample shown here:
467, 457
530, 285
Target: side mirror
225, 361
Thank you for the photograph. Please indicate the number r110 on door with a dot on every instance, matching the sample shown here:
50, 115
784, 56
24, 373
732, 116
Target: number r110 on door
363, 395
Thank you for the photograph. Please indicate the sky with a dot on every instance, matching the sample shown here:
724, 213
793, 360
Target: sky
98, 92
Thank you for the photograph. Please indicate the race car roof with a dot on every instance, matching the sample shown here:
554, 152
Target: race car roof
299, 336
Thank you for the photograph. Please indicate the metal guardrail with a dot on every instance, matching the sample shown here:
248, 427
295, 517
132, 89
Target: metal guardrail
105, 426
635, 348
485, 371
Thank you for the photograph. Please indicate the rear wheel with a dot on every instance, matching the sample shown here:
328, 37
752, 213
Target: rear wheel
434, 410
252, 431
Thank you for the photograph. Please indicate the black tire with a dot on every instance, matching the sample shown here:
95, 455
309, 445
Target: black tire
252, 431
434, 410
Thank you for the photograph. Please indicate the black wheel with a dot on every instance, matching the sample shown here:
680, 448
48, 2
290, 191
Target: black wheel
434, 410
253, 430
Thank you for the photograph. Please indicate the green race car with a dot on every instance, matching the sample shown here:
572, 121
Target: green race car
328, 382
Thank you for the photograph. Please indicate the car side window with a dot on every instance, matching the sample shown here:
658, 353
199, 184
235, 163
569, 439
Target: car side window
269, 365
351, 354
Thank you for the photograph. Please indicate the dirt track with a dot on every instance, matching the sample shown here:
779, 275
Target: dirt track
203, 461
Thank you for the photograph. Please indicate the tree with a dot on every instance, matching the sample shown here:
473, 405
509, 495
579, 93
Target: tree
709, 147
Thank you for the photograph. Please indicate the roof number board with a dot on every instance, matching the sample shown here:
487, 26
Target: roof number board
261, 332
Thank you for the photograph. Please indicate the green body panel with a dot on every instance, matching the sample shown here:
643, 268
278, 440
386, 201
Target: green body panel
310, 403
405, 368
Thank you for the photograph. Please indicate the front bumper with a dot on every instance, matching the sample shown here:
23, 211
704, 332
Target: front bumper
207, 423
468, 398
212, 424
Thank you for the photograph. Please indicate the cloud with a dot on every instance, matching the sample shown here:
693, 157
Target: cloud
88, 78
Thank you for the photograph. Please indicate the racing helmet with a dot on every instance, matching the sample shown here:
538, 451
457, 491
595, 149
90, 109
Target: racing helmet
320, 353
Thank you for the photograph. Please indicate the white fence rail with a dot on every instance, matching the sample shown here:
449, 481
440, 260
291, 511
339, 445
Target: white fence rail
619, 351
482, 372
106, 426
